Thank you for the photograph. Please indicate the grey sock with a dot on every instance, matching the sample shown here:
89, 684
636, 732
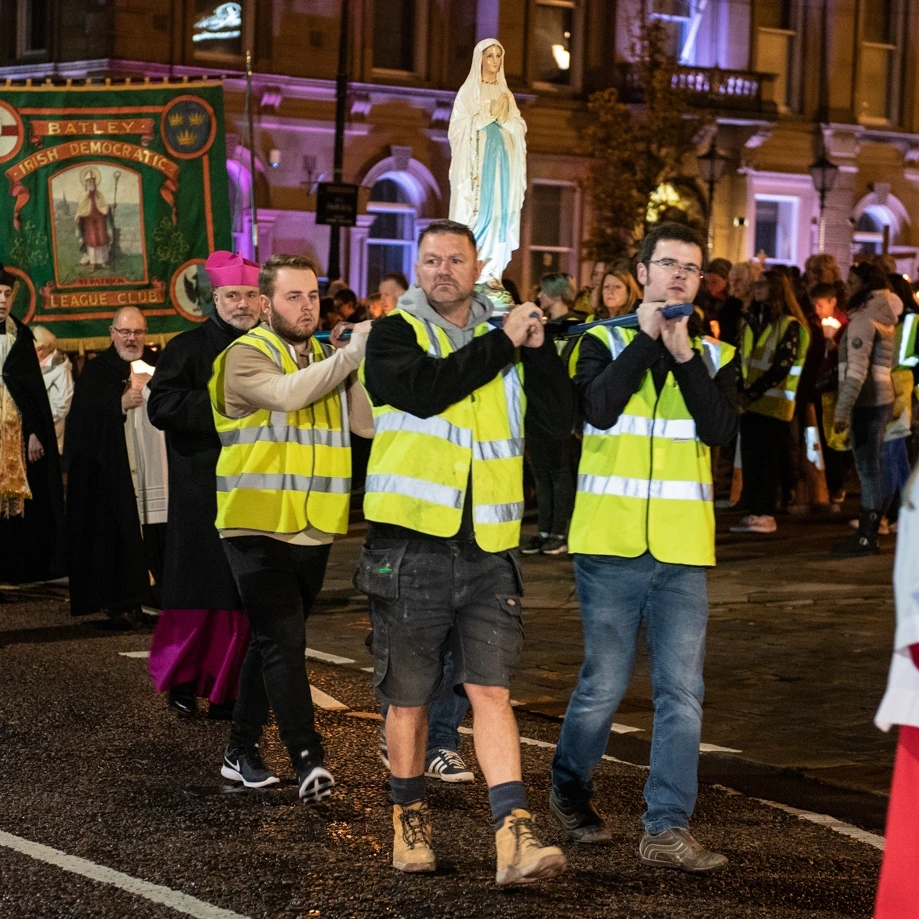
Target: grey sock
406, 791
505, 798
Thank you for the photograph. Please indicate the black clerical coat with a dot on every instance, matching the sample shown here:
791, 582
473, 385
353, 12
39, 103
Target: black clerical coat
105, 550
32, 546
197, 574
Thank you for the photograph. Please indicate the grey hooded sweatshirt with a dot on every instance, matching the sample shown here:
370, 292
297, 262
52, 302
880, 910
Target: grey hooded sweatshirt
866, 354
415, 302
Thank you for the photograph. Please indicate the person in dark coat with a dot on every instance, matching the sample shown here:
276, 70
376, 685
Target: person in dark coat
31, 493
107, 562
202, 635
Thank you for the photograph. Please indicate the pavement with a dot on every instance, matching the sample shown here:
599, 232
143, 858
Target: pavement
113, 806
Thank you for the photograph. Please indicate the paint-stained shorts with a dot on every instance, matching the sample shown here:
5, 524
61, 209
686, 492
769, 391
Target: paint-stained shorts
426, 597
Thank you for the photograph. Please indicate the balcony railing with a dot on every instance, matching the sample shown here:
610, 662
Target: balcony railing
710, 87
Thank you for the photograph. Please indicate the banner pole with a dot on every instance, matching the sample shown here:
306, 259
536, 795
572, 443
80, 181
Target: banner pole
251, 155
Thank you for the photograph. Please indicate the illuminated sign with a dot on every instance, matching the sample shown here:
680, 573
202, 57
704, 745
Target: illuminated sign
224, 22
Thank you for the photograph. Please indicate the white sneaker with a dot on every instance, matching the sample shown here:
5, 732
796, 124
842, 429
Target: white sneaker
754, 523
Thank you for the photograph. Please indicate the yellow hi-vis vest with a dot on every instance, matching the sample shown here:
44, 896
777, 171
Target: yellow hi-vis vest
281, 472
645, 484
757, 357
418, 470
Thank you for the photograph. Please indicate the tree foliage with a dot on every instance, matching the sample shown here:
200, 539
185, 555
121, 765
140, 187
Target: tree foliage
635, 149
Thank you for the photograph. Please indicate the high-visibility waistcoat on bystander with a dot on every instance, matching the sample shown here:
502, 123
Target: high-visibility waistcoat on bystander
758, 356
282, 472
419, 468
645, 484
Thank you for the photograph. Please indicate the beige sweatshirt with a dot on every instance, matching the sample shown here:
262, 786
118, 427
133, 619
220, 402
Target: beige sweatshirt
253, 381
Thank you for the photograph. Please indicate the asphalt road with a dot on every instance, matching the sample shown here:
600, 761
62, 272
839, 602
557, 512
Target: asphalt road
126, 801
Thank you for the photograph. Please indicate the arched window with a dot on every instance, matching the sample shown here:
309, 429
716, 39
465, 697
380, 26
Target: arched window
391, 239
877, 215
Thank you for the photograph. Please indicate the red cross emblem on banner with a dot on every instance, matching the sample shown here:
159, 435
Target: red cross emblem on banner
12, 132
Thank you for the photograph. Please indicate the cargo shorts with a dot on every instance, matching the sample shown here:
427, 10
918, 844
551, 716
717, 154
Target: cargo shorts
428, 596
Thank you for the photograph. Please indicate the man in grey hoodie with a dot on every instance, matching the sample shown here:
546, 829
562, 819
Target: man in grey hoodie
444, 497
866, 396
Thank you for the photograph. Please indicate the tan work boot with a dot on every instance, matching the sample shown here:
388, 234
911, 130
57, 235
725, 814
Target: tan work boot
522, 858
411, 849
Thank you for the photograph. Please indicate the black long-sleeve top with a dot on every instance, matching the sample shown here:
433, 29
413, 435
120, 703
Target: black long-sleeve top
399, 373
604, 385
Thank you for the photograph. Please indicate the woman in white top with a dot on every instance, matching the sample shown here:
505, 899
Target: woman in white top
488, 166
898, 895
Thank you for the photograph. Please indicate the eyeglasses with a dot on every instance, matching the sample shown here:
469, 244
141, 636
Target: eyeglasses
673, 266
130, 333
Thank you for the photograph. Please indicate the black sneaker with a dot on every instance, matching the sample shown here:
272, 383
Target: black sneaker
246, 765
579, 818
533, 546
555, 545
448, 766
315, 782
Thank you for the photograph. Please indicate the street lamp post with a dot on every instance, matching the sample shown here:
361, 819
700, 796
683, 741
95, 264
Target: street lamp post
711, 168
341, 101
823, 174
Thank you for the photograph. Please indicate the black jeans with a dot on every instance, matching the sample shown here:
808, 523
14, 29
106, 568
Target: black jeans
278, 583
551, 463
764, 442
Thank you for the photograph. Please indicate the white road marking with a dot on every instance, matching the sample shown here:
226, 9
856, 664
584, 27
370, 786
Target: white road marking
156, 893
623, 729
713, 748
138, 654
315, 655
324, 700
837, 826
367, 669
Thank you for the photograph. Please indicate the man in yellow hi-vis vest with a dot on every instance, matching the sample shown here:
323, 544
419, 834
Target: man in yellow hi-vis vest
642, 534
444, 497
284, 407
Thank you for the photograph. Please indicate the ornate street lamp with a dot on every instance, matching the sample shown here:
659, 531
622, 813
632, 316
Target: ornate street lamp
823, 175
711, 168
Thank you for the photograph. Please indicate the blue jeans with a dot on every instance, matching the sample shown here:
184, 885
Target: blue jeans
617, 595
895, 470
445, 714
868, 424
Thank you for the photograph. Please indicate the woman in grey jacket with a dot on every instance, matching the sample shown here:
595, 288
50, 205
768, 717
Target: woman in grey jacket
866, 394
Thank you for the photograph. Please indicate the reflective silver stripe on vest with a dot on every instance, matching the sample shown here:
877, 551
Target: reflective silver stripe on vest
615, 341
637, 425
284, 482
498, 449
711, 355
512, 390
433, 340
661, 489
499, 513
273, 349
284, 434
796, 370
435, 426
408, 487
905, 358
787, 394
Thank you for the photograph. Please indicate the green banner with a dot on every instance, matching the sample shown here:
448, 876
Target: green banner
114, 196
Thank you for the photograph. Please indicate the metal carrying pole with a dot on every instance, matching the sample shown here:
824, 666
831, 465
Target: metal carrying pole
250, 121
567, 329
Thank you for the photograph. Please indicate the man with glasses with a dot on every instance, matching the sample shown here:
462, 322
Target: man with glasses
109, 556
643, 532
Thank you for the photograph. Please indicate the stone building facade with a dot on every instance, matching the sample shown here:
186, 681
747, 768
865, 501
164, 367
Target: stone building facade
780, 79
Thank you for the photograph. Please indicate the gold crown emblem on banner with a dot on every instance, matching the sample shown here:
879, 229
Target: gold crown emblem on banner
196, 120
176, 120
186, 138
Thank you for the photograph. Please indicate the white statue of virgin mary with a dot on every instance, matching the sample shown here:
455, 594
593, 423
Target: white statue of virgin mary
488, 167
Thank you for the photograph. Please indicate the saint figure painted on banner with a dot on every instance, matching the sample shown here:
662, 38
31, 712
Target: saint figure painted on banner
93, 224
488, 166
